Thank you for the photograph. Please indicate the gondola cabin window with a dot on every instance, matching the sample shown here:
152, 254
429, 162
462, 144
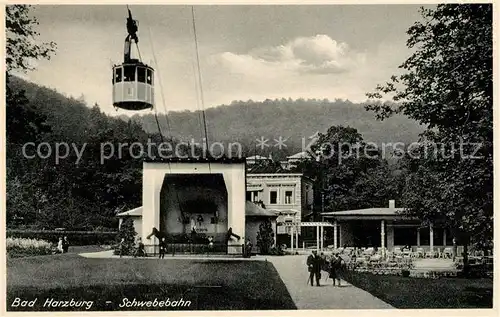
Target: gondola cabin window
129, 73
141, 74
149, 77
118, 75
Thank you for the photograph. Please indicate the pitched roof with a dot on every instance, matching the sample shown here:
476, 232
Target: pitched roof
132, 212
252, 209
257, 157
300, 155
265, 169
366, 212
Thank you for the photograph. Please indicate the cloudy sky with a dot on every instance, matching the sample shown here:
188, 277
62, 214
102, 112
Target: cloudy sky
246, 52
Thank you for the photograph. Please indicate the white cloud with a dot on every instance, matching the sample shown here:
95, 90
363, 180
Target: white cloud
304, 55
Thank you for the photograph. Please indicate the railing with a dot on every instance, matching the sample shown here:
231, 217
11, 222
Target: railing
173, 249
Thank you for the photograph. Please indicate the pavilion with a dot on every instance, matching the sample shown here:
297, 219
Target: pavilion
385, 228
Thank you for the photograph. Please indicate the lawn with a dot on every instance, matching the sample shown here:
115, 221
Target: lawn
208, 285
414, 293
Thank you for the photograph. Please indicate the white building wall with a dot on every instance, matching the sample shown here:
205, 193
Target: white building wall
234, 177
282, 183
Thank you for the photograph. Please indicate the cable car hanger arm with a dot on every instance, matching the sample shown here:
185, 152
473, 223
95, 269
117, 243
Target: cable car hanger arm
132, 35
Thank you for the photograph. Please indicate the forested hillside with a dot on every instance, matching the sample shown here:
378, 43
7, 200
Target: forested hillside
246, 121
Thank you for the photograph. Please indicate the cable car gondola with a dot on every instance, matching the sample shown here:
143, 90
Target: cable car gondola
133, 81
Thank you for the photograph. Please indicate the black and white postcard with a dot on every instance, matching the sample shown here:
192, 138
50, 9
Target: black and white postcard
248, 157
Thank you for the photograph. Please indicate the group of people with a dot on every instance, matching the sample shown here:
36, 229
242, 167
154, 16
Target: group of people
63, 245
141, 252
332, 265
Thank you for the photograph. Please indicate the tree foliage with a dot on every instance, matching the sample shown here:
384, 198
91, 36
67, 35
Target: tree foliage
349, 173
21, 46
294, 120
447, 85
265, 237
127, 233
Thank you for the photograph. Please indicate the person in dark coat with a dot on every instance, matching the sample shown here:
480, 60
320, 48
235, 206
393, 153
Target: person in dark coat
314, 262
336, 268
163, 248
65, 245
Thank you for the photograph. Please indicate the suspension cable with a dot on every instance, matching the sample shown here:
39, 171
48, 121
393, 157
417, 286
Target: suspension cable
138, 51
199, 77
161, 85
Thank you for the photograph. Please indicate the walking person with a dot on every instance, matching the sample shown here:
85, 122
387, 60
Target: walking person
163, 248
248, 249
60, 245
65, 244
336, 268
314, 267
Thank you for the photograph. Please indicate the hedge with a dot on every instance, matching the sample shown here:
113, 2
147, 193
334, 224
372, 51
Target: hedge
74, 237
19, 247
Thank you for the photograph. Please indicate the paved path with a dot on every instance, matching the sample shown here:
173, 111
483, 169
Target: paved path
293, 272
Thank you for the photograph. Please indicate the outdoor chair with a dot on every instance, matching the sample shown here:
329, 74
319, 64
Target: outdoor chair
398, 253
430, 254
420, 252
369, 252
447, 253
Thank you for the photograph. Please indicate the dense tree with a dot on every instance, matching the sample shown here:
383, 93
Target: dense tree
22, 49
265, 237
349, 174
447, 85
23, 122
127, 233
21, 46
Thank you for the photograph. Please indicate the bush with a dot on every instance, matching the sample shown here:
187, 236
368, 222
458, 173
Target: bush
276, 251
19, 247
127, 233
74, 237
265, 237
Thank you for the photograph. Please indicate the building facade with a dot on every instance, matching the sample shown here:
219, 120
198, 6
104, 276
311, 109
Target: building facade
288, 195
206, 196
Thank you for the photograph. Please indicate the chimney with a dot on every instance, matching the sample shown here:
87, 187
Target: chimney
392, 204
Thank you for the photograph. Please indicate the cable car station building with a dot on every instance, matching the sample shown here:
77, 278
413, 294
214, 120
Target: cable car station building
207, 196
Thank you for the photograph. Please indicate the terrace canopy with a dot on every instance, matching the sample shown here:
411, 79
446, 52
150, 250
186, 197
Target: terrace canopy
383, 227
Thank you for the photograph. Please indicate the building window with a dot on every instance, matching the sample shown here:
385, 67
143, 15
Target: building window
288, 197
255, 197
252, 196
273, 199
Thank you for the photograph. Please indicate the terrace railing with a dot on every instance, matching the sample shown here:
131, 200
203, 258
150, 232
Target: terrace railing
173, 249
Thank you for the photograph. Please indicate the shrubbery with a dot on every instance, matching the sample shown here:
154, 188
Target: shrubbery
19, 247
276, 251
74, 237
127, 233
265, 237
